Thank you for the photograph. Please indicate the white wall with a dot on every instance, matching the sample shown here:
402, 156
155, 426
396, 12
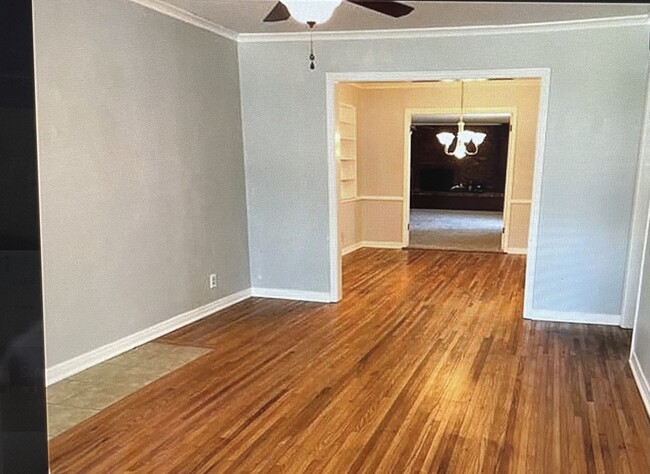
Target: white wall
141, 170
595, 115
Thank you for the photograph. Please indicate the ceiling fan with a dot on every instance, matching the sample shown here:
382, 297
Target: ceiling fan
312, 12
301, 10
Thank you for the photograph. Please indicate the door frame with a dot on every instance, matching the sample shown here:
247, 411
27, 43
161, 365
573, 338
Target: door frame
332, 78
406, 187
638, 228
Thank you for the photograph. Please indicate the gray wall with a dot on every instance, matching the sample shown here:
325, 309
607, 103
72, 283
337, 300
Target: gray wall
595, 114
141, 169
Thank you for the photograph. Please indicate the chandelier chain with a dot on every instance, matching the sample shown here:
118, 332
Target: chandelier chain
462, 99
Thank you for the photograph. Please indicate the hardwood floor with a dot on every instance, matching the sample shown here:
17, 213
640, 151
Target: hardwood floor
425, 366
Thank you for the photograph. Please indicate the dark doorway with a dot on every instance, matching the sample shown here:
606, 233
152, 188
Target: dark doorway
457, 204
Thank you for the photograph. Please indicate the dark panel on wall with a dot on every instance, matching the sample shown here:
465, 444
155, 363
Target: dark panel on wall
23, 427
439, 181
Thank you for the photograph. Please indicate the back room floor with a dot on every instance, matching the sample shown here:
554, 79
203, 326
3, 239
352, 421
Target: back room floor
440, 229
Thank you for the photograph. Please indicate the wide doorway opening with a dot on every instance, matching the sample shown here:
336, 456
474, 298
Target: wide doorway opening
396, 185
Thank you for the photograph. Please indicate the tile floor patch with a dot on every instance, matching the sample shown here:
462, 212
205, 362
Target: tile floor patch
85, 394
61, 418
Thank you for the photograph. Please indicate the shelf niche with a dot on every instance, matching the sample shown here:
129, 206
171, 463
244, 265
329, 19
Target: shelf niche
346, 133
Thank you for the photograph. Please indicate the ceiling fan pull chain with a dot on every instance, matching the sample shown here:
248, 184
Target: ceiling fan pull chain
312, 66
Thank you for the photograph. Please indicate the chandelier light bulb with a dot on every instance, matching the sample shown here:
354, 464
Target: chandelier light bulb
466, 136
445, 138
311, 11
478, 138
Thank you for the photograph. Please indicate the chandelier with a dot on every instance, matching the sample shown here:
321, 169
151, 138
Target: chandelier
466, 141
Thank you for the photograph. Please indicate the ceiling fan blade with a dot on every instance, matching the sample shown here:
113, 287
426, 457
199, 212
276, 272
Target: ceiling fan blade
279, 13
394, 9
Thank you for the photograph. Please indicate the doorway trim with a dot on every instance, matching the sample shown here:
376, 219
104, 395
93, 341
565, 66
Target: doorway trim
332, 78
406, 186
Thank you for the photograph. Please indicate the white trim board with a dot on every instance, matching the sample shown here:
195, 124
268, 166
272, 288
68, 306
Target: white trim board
574, 317
636, 244
543, 27
516, 251
186, 16
334, 195
295, 295
372, 244
641, 381
380, 198
352, 248
377, 244
372, 198
73, 366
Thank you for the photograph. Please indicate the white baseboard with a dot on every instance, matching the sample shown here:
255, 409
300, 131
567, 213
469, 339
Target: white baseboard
296, 295
374, 244
516, 251
574, 317
641, 380
352, 248
70, 367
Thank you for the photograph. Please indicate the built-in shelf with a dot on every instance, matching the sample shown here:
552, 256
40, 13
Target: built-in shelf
347, 133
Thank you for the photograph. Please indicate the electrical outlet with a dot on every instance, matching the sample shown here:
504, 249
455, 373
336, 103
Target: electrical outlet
213, 281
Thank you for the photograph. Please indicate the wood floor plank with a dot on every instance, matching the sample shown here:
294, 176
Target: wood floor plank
425, 366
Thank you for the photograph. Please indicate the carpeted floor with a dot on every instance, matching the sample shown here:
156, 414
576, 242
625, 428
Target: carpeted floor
456, 230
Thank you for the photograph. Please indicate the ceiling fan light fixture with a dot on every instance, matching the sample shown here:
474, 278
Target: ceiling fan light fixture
311, 11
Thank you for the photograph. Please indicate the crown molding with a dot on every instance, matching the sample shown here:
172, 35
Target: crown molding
186, 17
625, 21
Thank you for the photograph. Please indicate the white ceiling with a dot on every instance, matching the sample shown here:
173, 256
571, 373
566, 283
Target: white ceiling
245, 16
